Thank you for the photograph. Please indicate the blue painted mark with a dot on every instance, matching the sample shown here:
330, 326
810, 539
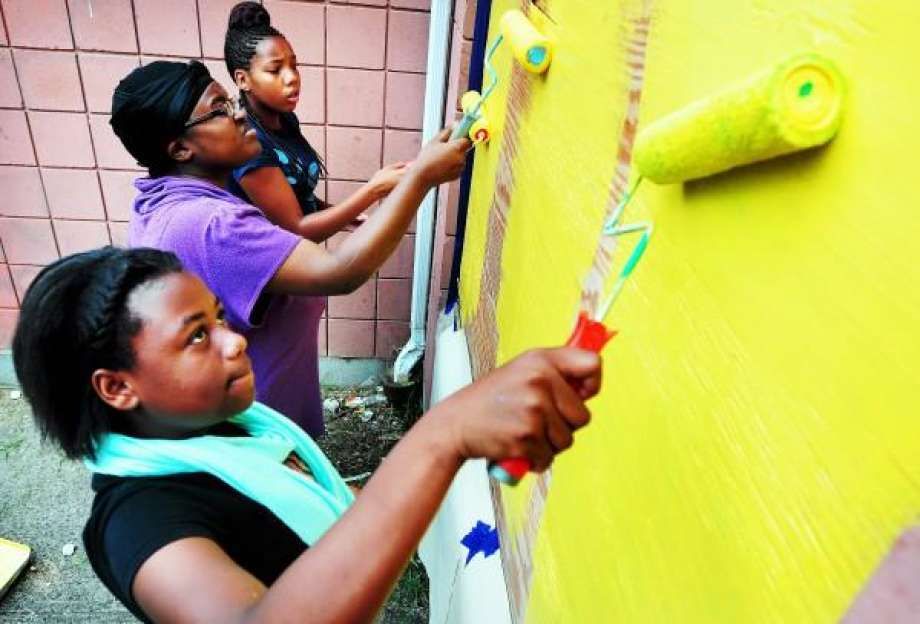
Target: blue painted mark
291, 181
282, 157
481, 538
536, 54
313, 169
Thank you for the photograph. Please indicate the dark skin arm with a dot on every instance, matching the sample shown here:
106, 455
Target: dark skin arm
311, 269
527, 408
269, 190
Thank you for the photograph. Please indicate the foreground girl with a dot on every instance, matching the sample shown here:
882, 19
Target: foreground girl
212, 508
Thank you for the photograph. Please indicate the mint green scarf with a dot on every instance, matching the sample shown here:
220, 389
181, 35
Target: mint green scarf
252, 465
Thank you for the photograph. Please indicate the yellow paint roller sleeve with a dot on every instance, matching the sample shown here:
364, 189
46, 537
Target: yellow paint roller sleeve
793, 106
530, 47
469, 100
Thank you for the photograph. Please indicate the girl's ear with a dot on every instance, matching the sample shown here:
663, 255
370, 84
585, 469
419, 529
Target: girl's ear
241, 78
114, 389
179, 151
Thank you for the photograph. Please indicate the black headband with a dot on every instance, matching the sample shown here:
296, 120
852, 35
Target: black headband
151, 105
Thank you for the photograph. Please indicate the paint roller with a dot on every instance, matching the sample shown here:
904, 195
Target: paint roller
532, 49
795, 105
589, 332
479, 131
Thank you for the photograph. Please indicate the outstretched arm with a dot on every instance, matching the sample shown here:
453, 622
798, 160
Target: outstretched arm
527, 408
268, 189
313, 270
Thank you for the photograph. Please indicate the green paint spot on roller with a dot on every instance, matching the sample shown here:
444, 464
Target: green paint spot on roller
794, 105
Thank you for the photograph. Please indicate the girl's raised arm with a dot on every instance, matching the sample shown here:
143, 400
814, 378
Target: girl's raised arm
268, 189
527, 408
312, 270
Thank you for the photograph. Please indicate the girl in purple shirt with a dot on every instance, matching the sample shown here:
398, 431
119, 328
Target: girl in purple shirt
184, 127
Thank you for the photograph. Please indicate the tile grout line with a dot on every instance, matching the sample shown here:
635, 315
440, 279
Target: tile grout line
91, 114
198, 29
68, 219
201, 57
137, 31
6, 28
73, 167
326, 139
386, 73
9, 273
41, 181
89, 130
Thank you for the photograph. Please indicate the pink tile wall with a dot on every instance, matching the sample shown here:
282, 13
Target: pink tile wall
68, 184
107, 25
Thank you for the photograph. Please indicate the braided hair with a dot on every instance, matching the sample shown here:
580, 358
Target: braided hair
249, 24
74, 320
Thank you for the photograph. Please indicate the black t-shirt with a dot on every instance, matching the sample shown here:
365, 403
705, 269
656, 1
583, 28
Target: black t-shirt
133, 517
287, 149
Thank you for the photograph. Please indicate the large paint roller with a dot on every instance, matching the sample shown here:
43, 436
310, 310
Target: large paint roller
530, 48
796, 105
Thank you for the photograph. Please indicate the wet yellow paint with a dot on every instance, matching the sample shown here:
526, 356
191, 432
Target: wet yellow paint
757, 444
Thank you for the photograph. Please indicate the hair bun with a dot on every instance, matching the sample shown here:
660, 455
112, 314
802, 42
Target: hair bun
249, 15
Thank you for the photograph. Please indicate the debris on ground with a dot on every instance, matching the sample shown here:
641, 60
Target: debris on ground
359, 434
363, 427
375, 399
69, 549
370, 382
353, 402
357, 477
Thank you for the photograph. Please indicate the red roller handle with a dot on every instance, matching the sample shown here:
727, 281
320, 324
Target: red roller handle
588, 334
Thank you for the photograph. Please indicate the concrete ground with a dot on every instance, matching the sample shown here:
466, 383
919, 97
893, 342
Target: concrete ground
45, 499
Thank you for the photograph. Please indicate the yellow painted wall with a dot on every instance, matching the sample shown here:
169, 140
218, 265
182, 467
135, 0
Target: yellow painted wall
756, 447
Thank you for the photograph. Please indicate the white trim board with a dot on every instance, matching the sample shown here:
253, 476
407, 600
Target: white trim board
461, 594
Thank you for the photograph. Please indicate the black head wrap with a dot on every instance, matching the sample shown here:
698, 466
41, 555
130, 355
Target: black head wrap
151, 105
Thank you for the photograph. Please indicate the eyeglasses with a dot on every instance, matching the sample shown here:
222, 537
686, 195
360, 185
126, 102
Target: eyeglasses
226, 107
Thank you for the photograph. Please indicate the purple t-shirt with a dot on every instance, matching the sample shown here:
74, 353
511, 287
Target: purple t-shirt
235, 250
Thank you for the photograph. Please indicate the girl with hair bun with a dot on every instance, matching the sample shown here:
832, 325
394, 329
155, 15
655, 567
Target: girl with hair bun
282, 180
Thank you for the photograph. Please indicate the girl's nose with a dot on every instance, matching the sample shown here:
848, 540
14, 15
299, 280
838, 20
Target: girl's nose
233, 344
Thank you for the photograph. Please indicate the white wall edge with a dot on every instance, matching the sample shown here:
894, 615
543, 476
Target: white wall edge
459, 593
